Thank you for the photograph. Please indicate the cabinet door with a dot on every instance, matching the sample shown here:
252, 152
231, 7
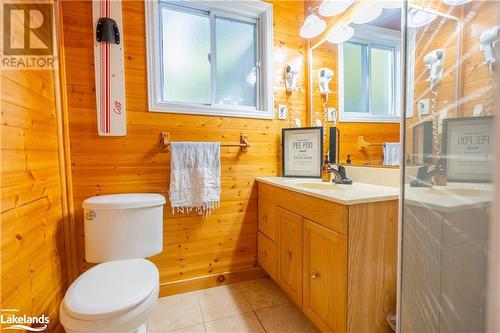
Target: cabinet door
267, 219
290, 253
325, 277
267, 255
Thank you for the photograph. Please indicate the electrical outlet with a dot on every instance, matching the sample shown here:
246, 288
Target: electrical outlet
332, 114
282, 112
423, 106
478, 110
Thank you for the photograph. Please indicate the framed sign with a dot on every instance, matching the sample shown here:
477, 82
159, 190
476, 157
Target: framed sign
302, 152
468, 149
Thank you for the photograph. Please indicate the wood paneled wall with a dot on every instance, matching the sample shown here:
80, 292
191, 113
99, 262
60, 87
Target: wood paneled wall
33, 266
196, 250
326, 55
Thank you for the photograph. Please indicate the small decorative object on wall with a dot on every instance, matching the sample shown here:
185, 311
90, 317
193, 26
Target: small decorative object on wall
109, 72
468, 149
302, 152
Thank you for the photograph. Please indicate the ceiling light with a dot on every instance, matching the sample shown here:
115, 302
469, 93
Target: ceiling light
456, 2
390, 4
334, 7
340, 34
312, 27
367, 12
418, 18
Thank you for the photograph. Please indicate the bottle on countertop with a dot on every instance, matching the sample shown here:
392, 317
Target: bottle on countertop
326, 174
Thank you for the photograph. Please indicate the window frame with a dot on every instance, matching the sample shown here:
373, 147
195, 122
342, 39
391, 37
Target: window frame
255, 12
383, 39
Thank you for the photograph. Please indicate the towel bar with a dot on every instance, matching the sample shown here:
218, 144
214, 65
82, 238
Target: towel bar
244, 144
362, 143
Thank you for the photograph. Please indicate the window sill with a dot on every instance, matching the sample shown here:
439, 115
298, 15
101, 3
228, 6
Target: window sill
368, 119
212, 111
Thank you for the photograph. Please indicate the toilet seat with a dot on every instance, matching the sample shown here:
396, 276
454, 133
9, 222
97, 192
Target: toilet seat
111, 288
111, 296
126, 322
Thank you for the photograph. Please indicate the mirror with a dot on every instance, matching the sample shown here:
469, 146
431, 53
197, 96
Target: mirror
354, 87
432, 69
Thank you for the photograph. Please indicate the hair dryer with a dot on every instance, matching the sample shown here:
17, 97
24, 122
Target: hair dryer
325, 76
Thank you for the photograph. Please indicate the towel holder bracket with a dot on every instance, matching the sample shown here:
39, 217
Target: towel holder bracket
244, 144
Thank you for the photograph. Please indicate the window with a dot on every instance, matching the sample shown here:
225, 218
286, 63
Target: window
369, 76
211, 58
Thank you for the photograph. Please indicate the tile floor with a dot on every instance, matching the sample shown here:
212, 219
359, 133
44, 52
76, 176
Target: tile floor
257, 306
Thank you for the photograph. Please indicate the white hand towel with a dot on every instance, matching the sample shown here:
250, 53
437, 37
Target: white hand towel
391, 153
195, 177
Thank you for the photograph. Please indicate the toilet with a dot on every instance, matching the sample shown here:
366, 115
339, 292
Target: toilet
119, 293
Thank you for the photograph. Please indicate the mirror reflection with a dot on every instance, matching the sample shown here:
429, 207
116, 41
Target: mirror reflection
355, 88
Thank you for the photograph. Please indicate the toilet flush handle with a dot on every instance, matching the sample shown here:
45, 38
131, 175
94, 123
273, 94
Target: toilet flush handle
90, 215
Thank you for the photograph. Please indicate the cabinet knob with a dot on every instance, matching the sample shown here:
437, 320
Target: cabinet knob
314, 275
264, 218
264, 253
289, 255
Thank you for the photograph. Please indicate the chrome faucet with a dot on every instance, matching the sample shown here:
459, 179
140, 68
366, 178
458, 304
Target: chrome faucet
340, 174
426, 175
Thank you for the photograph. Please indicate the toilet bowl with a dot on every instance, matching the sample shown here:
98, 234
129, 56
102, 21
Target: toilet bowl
116, 296
119, 293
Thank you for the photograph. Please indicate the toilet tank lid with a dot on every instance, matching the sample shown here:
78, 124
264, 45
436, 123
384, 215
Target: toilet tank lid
123, 201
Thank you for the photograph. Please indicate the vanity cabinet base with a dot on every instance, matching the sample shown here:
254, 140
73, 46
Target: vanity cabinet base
337, 263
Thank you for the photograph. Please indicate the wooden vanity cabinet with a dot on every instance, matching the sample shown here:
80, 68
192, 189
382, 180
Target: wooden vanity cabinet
337, 263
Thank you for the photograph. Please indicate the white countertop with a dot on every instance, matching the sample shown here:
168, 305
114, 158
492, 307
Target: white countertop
450, 198
343, 194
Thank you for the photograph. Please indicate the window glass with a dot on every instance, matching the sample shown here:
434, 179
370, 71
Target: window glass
186, 50
354, 84
381, 80
236, 78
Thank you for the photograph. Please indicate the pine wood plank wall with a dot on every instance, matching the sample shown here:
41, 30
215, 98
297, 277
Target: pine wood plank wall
326, 55
196, 250
33, 266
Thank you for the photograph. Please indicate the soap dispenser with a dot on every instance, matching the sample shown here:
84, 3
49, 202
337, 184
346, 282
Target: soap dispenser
326, 174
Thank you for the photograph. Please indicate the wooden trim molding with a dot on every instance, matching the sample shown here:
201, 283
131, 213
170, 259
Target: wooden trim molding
64, 151
209, 281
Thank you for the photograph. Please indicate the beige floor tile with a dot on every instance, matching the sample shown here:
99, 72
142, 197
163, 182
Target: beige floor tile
175, 312
262, 293
200, 328
284, 318
243, 323
222, 302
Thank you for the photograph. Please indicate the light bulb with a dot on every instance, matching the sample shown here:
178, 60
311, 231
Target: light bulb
418, 18
340, 34
456, 2
367, 12
312, 27
390, 4
334, 7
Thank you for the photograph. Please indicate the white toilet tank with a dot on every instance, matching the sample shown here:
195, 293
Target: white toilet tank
123, 226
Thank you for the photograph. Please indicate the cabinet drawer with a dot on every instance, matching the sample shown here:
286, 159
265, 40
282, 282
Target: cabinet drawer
267, 255
267, 219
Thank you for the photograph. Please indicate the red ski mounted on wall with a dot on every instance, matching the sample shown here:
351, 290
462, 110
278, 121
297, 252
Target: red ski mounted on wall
109, 68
